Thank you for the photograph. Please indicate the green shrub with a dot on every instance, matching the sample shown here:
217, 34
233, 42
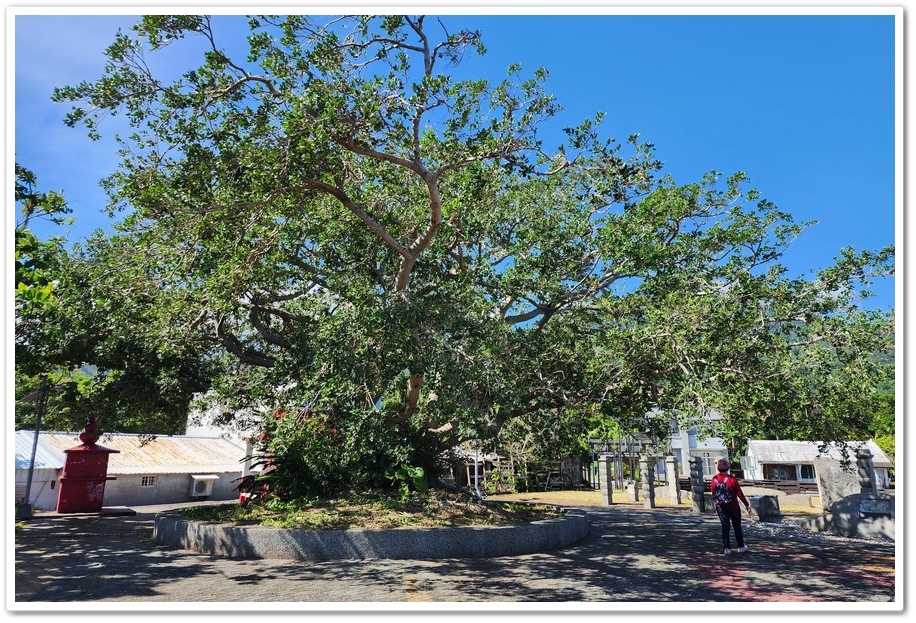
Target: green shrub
307, 454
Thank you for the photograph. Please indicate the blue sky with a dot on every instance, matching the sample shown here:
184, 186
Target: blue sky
804, 104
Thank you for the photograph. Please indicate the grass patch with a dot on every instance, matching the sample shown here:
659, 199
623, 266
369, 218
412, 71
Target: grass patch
374, 511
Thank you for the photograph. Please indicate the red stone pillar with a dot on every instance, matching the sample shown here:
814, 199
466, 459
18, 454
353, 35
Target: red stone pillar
82, 483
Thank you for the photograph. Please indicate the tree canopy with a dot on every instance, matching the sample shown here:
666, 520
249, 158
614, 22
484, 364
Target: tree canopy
335, 228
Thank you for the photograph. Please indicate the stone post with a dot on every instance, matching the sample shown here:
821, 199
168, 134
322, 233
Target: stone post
647, 471
674, 487
605, 477
865, 465
697, 484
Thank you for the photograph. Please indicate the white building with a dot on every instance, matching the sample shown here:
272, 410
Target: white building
687, 445
164, 470
45, 471
794, 460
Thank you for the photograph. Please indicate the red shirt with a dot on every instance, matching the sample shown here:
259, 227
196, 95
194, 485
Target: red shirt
732, 483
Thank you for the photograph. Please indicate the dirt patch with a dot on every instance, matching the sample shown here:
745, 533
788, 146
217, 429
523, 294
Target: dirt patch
370, 512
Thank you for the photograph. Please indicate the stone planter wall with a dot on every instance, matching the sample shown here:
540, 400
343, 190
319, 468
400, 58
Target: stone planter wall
232, 541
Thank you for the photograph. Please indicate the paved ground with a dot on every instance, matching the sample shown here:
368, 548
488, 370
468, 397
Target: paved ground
631, 556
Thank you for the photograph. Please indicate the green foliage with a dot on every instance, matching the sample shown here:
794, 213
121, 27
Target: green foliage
884, 422
37, 263
500, 481
410, 479
308, 452
86, 331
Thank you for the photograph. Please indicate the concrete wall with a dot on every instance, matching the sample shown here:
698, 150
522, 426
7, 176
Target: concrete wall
848, 518
43, 492
797, 500
125, 490
401, 543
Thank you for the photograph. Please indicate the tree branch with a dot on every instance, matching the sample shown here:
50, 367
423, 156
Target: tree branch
245, 355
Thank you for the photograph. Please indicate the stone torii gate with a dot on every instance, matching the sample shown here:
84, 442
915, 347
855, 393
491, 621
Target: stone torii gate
647, 481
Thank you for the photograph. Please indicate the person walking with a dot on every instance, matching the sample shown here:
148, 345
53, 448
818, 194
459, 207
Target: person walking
726, 492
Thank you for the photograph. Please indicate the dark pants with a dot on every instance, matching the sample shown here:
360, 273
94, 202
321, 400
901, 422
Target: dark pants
730, 518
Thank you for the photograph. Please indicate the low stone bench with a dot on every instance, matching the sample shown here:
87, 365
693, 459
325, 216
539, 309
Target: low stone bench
234, 541
765, 507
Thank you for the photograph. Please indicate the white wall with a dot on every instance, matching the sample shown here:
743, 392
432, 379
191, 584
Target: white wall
125, 490
685, 445
44, 489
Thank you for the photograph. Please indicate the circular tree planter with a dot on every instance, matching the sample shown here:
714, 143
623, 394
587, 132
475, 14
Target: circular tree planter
235, 541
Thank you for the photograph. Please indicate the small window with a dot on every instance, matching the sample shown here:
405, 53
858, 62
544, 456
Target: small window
148, 481
807, 472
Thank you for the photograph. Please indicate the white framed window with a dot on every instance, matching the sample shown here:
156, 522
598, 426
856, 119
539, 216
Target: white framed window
148, 481
807, 472
779, 473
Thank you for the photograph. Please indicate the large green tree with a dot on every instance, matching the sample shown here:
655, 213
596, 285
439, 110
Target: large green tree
352, 235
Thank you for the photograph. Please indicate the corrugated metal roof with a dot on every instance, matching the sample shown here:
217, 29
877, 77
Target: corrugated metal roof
46, 457
165, 454
770, 451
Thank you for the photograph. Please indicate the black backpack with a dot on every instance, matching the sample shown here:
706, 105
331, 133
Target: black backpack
721, 494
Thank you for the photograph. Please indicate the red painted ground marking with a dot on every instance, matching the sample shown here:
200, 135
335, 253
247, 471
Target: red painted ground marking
859, 575
726, 577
